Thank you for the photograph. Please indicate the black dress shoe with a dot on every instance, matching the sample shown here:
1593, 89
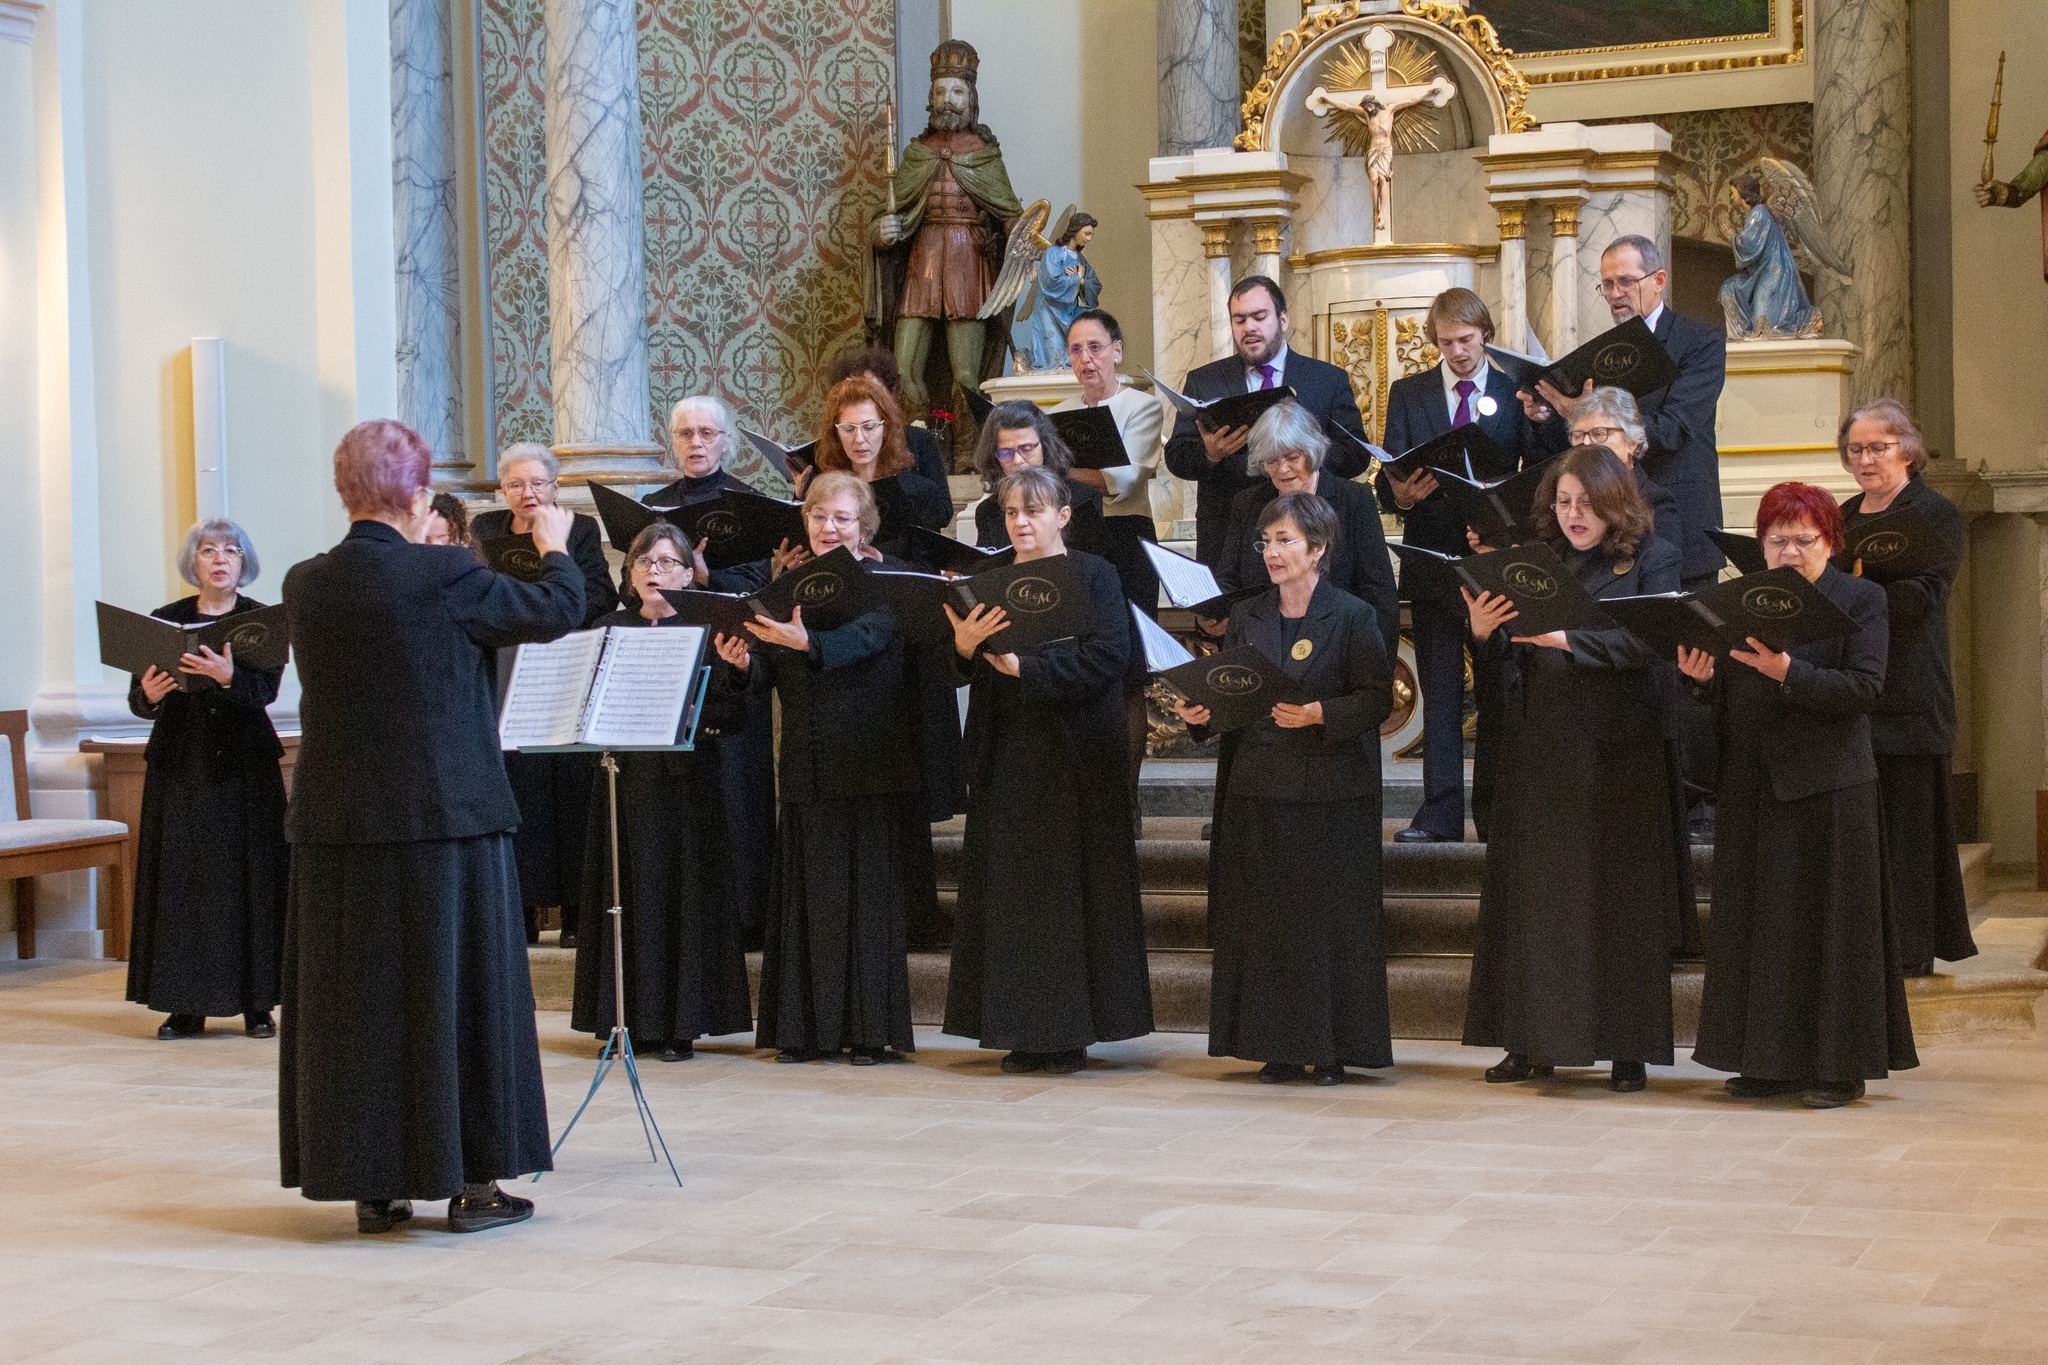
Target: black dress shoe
1832, 1095
1515, 1067
381, 1215
258, 1025
1760, 1087
1920, 968
1423, 836
794, 1054
482, 1207
568, 940
677, 1050
1627, 1077
182, 1026
1066, 1063
867, 1056
1280, 1073
1329, 1075
1018, 1063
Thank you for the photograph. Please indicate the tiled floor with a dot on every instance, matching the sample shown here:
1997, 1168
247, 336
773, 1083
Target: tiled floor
1161, 1207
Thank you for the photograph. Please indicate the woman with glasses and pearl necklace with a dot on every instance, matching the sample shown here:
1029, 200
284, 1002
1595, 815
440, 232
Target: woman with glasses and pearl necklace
686, 968
1913, 725
1587, 867
553, 790
1803, 994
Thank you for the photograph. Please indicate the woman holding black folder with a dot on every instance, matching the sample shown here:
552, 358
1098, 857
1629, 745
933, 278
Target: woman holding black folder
686, 968
870, 748
863, 435
1913, 725
1803, 993
210, 857
1049, 940
553, 790
1019, 436
1588, 886
1298, 976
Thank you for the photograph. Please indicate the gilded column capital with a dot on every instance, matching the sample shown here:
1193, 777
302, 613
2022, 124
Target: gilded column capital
1266, 235
1564, 218
1216, 240
1513, 221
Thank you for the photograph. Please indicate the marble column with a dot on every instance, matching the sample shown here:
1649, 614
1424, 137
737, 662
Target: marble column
1566, 281
597, 272
429, 292
1513, 323
1266, 246
1198, 79
1862, 152
1216, 246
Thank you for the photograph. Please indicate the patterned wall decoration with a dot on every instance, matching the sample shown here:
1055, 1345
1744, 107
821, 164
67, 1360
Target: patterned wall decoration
1251, 42
766, 128
1714, 144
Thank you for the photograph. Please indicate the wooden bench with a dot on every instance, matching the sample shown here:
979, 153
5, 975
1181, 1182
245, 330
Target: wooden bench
31, 848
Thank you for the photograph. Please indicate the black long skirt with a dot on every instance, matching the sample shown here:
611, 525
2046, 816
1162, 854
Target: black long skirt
686, 971
408, 1063
1298, 968
834, 970
553, 792
1802, 982
746, 773
1049, 938
1929, 913
1586, 893
211, 865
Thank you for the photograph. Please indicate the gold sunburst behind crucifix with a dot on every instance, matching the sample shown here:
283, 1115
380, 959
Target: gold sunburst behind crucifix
1409, 62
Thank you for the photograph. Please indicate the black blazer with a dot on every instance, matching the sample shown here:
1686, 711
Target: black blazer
230, 721
586, 547
1085, 529
1679, 419
1358, 563
1663, 503
906, 500
1318, 386
1916, 714
1818, 720
1346, 671
398, 711
685, 492
927, 457
1416, 412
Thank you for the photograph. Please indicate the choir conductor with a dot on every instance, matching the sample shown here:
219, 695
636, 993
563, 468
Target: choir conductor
409, 1068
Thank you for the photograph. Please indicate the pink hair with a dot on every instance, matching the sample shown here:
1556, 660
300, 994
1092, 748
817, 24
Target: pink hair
378, 467
1787, 503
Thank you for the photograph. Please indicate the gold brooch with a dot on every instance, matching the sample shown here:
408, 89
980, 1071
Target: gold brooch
1302, 649
1623, 566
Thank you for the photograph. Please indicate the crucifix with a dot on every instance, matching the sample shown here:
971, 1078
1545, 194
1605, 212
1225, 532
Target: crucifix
1377, 105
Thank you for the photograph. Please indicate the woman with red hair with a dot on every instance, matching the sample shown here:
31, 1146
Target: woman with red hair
409, 1067
1803, 994
863, 435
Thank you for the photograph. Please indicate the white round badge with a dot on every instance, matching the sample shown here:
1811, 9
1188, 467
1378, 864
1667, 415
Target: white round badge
1487, 407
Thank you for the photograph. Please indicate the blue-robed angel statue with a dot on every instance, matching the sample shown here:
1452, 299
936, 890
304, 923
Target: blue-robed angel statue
1051, 283
1766, 298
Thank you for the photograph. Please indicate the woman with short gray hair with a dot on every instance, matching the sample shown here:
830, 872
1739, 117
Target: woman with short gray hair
1288, 446
210, 862
1609, 417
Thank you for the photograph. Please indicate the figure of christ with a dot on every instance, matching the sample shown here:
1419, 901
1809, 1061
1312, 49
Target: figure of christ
1379, 106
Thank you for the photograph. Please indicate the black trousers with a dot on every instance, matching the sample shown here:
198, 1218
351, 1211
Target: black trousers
1443, 636
1699, 749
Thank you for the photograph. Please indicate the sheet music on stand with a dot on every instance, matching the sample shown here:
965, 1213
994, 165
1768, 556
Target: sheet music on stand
616, 688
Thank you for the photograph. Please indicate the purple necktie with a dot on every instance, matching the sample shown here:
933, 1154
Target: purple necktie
1266, 376
1463, 416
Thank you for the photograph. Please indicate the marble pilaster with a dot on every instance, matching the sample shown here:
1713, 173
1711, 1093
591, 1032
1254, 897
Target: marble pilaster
1513, 322
1216, 246
1862, 148
1567, 280
429, 296
1198, 78
597, 274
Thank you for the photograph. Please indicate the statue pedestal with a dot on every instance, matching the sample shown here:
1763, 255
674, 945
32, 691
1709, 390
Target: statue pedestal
1777, 420
1046, 388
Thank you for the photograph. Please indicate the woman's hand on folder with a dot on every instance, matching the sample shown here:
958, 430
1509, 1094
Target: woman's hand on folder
788, 556
1488, 612
207, 664
1288, 716
971, 630
1696, 664
157, 684
733, 649
1760, 657
1189, 712
789, 634
1550, 640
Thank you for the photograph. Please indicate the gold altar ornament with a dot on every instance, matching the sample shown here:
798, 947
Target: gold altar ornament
1409, 63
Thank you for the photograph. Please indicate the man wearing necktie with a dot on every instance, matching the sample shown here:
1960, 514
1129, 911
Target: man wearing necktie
1213, 460
1464, 388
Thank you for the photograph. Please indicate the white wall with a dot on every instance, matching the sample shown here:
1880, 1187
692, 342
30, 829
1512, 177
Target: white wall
20, 533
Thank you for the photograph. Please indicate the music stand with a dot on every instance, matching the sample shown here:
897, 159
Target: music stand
619, 1047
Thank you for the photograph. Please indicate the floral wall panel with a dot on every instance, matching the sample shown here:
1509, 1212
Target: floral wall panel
1713, 145
515, 185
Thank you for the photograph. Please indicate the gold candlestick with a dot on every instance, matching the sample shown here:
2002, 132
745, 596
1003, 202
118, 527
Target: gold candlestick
1991, 124
890, 163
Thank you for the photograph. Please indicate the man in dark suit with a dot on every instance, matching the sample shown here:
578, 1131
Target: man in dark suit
1213, 460
1679, 417
1464, 388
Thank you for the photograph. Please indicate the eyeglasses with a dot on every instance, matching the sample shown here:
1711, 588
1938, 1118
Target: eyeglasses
1610, 288
1567, 506
1595, 436
867, 431
1089, 350
665, 564
518, 486
696, 435
220, 552
1876, 450
1023, 450
1776, 543
838, 521
1291, 458
1282, 543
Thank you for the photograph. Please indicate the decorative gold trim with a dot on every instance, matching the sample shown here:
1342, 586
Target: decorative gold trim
1161, 189
1266, 236
1794, 57
1375, 251
1792, 369
1215, 240
1564, 218
1240, 180
1382, 348
1513, 222
1292, 47
1827, 447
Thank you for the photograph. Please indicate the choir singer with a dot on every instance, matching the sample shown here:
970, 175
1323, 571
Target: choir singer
409, 1067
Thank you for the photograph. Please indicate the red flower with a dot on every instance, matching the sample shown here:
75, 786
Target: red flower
941, 415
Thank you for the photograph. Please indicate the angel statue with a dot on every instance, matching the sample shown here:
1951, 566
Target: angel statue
1766, 299
1050, 282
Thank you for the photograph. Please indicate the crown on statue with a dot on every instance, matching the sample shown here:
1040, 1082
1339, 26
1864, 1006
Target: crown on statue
955, 58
